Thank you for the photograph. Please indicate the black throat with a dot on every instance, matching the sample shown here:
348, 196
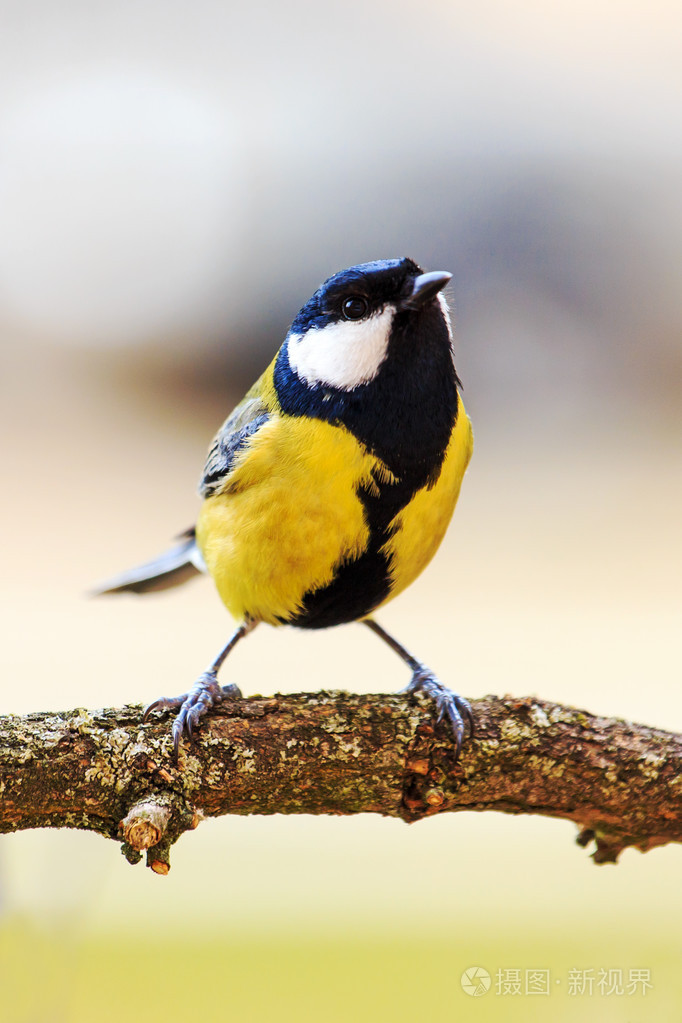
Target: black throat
406, 414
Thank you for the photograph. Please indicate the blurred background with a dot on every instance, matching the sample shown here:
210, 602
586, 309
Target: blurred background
175, 180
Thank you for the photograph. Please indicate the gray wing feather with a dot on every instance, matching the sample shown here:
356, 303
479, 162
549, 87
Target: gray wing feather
184, 561
235, 432
172, 568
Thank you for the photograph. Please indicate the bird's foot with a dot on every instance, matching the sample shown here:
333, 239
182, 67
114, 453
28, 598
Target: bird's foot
191, 706
449, 705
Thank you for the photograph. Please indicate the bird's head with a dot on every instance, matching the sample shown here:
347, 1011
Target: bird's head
364, 316
372, 351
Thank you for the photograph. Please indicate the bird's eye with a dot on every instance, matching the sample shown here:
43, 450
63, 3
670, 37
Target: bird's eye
354, 308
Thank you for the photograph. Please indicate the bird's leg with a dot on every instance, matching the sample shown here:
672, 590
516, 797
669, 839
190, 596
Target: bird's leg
204, 694
449, 704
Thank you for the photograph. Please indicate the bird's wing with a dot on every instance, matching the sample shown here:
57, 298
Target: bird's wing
248, 417
183, 561
173, 567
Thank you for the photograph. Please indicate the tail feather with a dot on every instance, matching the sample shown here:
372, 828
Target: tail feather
172, 568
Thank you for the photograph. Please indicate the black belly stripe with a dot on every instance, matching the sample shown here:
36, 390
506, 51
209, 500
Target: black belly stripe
359, 586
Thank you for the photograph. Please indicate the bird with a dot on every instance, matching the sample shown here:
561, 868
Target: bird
330, 486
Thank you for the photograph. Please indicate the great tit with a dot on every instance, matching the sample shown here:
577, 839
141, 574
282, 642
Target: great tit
330, 486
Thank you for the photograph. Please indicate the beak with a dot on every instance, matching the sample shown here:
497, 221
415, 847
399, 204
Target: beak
426, 287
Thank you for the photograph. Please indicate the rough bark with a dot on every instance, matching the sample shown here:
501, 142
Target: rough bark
337, 753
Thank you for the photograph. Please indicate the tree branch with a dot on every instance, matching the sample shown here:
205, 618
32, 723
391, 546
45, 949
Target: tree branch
333, 752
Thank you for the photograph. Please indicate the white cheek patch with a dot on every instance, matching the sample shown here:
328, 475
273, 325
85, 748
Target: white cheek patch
448, 322
344, 354
442, 301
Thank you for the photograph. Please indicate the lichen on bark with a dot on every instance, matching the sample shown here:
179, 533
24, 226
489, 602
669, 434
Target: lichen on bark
338, 753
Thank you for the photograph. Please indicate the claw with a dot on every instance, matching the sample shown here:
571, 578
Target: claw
204, 694
163, 703
457, 709
176, 732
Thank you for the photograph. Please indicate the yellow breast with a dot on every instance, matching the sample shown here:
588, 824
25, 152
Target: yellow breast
291, 515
